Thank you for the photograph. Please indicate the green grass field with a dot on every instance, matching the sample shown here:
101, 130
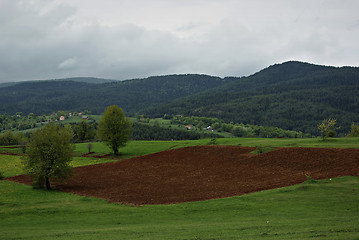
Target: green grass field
325, 209
135, 148
312, 210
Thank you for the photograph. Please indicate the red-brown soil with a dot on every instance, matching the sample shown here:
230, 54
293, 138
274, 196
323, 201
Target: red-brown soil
205, 172
90, 155
9, 153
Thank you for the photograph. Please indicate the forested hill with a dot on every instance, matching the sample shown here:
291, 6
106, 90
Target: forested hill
292, 95
80, 94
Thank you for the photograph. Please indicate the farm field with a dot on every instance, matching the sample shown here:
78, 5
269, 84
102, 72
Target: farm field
205, 172
313, 209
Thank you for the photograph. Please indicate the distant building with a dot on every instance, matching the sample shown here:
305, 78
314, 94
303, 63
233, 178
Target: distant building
189, 127
62, 118
84, 117
209, 128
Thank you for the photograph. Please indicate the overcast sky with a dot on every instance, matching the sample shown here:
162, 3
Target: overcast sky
123, 39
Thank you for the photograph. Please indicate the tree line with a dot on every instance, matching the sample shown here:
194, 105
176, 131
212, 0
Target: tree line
86, 131
237, 129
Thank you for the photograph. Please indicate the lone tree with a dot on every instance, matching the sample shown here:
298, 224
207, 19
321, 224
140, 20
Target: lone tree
48, 154
326, 125
114, 128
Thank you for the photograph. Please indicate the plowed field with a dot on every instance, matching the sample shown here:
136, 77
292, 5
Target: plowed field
205, 172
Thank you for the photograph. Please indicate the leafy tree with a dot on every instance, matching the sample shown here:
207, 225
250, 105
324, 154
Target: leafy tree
84, 131
326, 125
354, 130
114, 128
49, 153
239, 131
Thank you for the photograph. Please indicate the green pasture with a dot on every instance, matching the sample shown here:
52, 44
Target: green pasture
325, 209
344, 142
10, 165
137, 148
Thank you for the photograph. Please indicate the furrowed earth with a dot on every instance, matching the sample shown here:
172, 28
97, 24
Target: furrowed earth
205, 172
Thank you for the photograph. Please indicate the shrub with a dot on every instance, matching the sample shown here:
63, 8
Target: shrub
354, 130
89, 147
326, 125
10, 138
213, 141
331, 133
260, 149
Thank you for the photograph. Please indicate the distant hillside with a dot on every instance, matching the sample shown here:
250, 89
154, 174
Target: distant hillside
71, 94
75, 79
87, 80
292, 95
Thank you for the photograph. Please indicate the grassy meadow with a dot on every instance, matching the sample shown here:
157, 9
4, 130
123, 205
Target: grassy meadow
137, 148
325, 209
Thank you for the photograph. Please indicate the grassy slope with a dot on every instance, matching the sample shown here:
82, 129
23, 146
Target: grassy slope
326, 209
320, 209
293, 142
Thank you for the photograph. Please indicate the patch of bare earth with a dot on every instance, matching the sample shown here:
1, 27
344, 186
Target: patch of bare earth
205, 172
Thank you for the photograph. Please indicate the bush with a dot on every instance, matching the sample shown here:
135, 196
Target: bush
1, 176
10, 138
331, 133
260, 149
213, 141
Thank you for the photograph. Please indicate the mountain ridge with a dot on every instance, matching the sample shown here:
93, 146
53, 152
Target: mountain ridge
292, 95
48, 96
304, 92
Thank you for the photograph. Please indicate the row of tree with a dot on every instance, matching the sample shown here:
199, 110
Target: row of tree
155, 132
86, 130
237, 129
21, 122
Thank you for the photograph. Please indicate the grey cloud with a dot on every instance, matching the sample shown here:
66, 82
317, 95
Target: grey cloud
41, 40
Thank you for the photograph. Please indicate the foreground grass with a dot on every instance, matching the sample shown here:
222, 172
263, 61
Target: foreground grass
326, 209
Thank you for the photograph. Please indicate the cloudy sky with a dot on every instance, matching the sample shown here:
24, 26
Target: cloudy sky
123, 39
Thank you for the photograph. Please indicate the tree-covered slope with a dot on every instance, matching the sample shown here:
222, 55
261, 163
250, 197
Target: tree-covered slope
292, 95
132, 95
